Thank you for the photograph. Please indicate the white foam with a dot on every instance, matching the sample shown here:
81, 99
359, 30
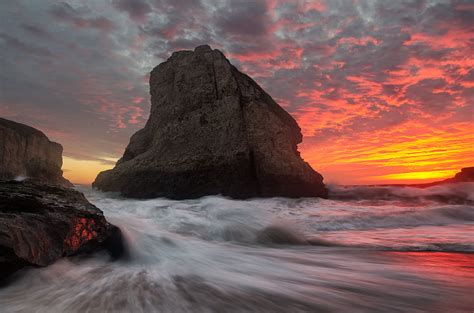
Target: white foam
201, 256
20, 178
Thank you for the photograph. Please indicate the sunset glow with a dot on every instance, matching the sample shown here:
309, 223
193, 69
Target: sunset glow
383, 91
237, 156
83, 171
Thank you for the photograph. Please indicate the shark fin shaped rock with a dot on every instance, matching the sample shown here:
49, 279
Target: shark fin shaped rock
212, 130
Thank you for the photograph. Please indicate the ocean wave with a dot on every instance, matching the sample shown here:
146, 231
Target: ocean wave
433, 247
307, 221
395, 218
215, 254
454, 193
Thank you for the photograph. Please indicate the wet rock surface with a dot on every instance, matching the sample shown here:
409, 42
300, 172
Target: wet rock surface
212, 130
41, 223
26, 151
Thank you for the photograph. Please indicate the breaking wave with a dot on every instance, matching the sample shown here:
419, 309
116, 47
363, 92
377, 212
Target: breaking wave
394, 218
215, 254
455, 193
407, 224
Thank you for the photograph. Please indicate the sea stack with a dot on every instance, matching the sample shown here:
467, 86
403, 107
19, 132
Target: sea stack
27, 152
212, 130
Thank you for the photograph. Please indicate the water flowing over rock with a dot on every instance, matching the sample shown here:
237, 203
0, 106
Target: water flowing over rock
212, 130
27, 152
41, 223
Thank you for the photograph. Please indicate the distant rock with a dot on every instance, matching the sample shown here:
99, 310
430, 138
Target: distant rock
41, 223
212, 130
27, 152
465, 175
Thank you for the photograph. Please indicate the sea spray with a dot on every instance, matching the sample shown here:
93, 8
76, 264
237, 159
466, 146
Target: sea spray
205, 255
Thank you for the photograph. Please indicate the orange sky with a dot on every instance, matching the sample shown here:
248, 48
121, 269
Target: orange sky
382, 90
393, 157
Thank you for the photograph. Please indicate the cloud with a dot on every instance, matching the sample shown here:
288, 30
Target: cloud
243, 18
36, 31
137, 9
66, 13
86, 157
430, 94
21, 46
357, 75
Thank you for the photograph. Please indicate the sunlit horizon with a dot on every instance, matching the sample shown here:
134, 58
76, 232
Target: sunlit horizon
382, 90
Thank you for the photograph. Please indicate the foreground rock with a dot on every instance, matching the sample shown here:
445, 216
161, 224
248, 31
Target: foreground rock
41, 223
25, 151
212, 130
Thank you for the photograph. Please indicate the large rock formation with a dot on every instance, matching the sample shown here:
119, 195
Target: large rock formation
41, 223
25, 151
212, 130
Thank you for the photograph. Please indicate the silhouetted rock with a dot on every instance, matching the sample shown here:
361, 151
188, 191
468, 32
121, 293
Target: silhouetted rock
25, 151
465, 175
41, 223
212, 130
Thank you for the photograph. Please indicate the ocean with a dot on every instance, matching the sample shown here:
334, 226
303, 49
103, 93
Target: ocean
367, 249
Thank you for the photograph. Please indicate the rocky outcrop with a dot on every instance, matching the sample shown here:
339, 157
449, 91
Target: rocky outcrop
25, 151
212, 130
41, 223
464, 176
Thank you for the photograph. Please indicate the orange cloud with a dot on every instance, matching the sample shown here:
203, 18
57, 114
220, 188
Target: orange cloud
383, 90
406, 154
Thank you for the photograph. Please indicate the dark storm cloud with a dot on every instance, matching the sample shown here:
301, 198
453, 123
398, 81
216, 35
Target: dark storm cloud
176, 25
469, 77
36, 31
137, 9
243, 18
429, 94
176, 6
85, 91
20, 46
66, 13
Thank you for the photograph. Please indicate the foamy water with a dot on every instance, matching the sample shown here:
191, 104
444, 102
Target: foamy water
207, 255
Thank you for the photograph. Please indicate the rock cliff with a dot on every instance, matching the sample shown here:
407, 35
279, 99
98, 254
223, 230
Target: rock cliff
212, 130
26, 151
40, 223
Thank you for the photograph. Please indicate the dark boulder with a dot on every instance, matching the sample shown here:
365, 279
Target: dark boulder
26, 151
41, 223
212, 130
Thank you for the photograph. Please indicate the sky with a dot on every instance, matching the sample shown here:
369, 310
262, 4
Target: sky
382, 90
